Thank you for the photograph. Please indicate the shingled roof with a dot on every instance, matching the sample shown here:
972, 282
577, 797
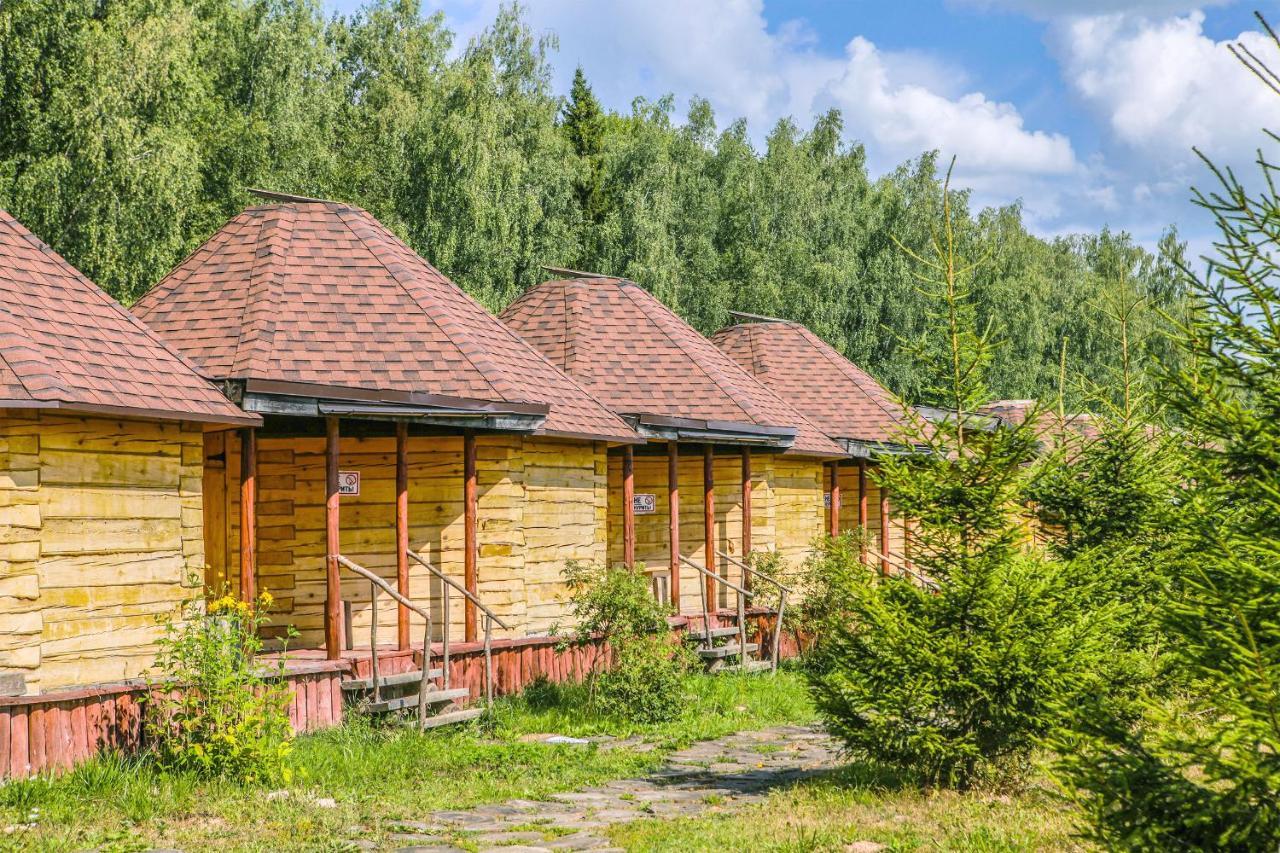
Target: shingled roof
833, 392
641, 360
321, 298
65, 344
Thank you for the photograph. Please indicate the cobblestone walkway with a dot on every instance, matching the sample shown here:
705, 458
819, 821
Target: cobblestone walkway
710, 775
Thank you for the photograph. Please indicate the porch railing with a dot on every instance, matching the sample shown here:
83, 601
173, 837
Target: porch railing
783, 589
490, 619
896, 563
742, 596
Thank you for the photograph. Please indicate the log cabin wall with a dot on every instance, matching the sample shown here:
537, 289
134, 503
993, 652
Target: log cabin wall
100, 534
540, 504
849, 512
786, 513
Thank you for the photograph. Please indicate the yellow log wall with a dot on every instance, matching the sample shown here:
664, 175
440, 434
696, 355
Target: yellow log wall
538, 504
100, 534
849, 511
786, 513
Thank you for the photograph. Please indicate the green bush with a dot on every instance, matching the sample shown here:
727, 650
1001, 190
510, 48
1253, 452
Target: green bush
646, 683
216, 712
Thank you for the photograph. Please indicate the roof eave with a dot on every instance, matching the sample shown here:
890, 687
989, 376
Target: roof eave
668, 428
135, 413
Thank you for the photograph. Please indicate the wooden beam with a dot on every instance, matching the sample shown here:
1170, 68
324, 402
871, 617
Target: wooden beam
673, 535
248, 515
333, 545
709, 519
884, 529
746, 513
628, 508
402, 532
470, 545
862, 505
835, 498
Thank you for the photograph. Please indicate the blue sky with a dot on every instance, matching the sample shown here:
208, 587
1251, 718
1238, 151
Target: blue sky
1083, 110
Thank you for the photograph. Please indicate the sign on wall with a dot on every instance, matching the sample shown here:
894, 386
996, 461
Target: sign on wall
826, 500
644, 504
348, 482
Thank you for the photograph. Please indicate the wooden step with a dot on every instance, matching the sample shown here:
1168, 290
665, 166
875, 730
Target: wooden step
448, 718
749, 666
434, 697
716, 633
730, 650
399, 678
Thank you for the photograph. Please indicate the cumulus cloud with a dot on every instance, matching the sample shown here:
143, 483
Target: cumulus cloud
1163, 86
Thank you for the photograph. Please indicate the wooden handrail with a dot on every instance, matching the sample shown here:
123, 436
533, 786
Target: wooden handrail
386, 587
755, 572
925, 581
426, 564
718, 577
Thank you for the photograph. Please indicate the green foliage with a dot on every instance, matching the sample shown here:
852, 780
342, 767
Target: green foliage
825, 584
1204, 773
955, 672
130, 130
217, 712
645, 680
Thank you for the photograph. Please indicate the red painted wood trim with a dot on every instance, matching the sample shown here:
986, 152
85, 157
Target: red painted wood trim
746, 512
248, 513
673, 525
470, 545
628, 508
402, 532
333, 543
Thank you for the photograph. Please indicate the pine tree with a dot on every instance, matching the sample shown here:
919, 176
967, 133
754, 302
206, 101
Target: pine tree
584, 125
1203, 773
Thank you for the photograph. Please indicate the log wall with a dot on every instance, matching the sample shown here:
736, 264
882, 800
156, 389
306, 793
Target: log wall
100, 535
849, 511
540, 502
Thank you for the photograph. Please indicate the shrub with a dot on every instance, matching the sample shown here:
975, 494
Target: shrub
216, 712
614, 603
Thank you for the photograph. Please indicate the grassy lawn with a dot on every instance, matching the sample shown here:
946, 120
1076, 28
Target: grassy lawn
833, 811
360, 776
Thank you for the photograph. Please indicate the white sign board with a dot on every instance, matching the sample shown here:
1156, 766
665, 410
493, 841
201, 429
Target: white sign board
644, 504
348, 482
826, 500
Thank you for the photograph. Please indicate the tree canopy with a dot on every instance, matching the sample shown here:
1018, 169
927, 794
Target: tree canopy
131, 130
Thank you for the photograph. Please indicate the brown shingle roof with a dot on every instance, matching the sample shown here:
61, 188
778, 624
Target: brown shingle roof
65, 344
833, 392
322, 293
639, 358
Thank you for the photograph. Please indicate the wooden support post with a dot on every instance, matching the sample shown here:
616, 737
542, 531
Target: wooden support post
628, 507
470, 545
746, 514
402, 534
835, 499
884, 530
333, 545
862, 505
709, 519
673, 534
248, 514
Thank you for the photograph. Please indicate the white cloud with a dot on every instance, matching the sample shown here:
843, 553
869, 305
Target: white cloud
1049, 9
1163, 86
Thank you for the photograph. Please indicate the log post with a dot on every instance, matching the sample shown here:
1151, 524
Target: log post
333, 583
470, 545
402, 534
746, 514
862, 505
248, 514
628, 508
835, 499
673, 535
709, 519
884, 529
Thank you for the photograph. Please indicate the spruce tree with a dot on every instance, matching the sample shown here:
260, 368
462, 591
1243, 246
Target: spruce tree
1202, 772
584, 125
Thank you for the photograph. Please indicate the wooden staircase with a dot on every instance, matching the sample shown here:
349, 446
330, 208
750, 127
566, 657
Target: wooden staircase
726, 648
422, 697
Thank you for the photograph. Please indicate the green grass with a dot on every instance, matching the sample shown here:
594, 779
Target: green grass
377, 776
837, 809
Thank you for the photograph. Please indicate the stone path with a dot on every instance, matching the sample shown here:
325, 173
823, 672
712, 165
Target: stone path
710, 775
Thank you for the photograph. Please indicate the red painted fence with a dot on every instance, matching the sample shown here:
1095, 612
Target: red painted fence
52, 732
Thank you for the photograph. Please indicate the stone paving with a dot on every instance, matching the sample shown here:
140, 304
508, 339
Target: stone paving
711, 775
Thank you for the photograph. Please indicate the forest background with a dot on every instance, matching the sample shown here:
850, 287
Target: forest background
131, 130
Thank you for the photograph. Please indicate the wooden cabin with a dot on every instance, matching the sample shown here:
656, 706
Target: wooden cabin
728, 466
102, 432
400, 421
848, 405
